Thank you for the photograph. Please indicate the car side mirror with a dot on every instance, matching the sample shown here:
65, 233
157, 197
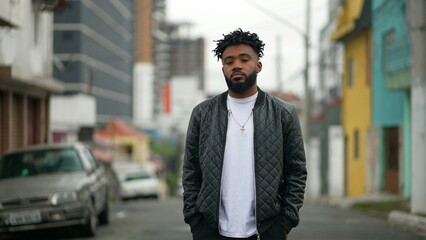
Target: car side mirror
90, 171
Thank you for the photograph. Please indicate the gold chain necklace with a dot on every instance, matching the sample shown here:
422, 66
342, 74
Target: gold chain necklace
242, 129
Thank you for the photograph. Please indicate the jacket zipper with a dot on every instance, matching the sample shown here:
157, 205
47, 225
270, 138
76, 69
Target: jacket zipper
220, 198
221, 173
255, 180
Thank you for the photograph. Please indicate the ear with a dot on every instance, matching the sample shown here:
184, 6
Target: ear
259, 66
223, 71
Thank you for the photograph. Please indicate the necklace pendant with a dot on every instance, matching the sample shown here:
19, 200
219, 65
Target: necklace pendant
242, 130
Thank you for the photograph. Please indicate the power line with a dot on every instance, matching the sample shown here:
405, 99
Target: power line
306, 38
277, 17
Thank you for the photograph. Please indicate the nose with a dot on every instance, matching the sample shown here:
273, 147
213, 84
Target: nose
237, 66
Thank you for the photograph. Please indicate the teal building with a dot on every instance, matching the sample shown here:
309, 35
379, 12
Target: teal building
391, 74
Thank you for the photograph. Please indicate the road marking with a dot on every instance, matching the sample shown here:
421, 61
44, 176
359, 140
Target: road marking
121, 215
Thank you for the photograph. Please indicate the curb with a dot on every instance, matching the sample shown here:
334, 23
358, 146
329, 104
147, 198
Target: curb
412, 221
348, 202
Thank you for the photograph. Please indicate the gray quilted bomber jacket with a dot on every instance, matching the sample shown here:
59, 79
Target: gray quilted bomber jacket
280, 169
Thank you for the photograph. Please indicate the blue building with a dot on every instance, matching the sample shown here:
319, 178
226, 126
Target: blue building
391, 93
94, 54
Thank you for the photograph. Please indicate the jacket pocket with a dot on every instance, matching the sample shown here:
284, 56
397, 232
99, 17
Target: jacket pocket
195, 222
202, 231
277, 231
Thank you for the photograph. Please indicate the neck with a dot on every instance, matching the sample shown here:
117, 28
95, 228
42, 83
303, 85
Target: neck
250, 92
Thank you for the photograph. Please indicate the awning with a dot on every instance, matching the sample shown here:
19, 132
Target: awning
43, 83
343, 30
49, 83
6, 23
117, 127
352, 12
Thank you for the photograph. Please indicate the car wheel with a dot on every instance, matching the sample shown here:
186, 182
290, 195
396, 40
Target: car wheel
103, 217
89, 228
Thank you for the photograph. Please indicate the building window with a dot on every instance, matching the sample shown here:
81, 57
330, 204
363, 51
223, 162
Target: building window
17, 121
350, 72
2, 124
33, 121
388, 39
356, 144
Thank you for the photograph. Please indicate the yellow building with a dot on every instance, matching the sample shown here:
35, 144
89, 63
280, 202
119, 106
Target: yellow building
354, 31
130, 145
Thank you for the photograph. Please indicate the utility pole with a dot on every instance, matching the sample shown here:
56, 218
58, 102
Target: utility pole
306, 37
278, 66
307, 108
417, 27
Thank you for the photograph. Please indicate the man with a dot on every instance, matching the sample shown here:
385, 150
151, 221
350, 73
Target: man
244, 168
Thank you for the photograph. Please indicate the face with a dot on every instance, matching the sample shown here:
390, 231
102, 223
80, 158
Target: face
240, 65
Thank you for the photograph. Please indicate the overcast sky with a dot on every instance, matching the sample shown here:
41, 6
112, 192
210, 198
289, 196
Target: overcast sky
211, 19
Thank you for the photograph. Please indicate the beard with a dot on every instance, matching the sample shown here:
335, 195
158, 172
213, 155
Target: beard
242, 86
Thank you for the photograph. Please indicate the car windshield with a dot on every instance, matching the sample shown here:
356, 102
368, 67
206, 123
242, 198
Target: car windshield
138, 176
40, 162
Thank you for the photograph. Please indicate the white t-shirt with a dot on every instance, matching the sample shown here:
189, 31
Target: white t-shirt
236, 213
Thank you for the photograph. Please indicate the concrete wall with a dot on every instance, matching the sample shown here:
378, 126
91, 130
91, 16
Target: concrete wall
417, 19
28, 48
73, 110
336, 173
313, 183
143, 106
69, 113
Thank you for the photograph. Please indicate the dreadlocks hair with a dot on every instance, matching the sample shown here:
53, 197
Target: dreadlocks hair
239, 37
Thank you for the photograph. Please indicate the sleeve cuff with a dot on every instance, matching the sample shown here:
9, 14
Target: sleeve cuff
285, 223
194, 220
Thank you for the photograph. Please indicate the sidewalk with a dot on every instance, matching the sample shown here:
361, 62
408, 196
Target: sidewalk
412, 221
349, 202
392, 208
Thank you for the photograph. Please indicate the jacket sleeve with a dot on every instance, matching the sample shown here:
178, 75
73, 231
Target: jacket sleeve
191, 176
295, 174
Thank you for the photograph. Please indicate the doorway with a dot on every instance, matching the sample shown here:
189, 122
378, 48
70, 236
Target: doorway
392, 159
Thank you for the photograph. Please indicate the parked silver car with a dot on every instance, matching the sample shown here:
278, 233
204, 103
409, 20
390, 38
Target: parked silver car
139, 184
49, 186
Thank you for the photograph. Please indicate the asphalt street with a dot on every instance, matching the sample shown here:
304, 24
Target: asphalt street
319, 222
148, 219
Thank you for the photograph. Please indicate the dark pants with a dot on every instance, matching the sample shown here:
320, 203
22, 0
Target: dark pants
204, 232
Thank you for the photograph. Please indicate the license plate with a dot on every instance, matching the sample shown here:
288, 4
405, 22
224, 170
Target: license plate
27, 217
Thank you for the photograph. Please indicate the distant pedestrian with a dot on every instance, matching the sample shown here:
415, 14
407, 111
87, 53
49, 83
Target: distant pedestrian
244, 168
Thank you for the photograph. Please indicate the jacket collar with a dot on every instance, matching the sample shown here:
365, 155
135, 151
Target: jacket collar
259, 100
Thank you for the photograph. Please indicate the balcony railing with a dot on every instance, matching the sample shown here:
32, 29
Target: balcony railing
56, 6
397, 64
